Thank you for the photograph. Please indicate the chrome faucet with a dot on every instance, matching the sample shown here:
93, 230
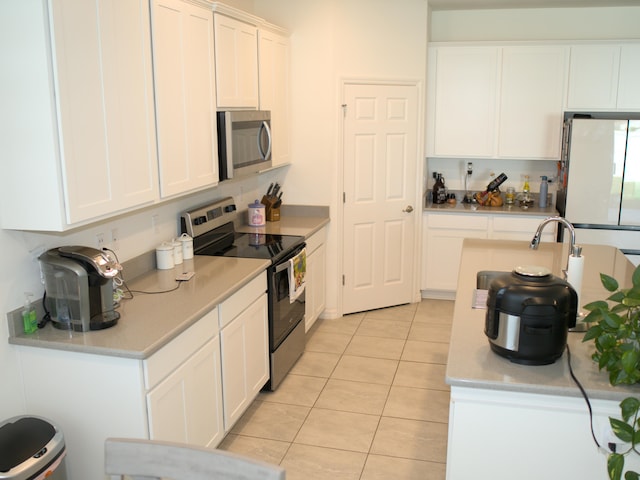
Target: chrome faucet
535, 241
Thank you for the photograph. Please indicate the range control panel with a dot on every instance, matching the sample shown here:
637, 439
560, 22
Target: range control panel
205, 218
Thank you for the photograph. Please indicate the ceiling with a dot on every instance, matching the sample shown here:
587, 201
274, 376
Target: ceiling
487, 4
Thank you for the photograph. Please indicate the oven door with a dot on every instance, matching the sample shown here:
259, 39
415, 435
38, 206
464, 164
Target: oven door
284, 315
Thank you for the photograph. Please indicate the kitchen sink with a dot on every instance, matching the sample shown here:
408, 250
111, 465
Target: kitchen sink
484, 278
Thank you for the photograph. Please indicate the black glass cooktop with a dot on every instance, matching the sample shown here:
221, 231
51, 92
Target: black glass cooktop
253, 245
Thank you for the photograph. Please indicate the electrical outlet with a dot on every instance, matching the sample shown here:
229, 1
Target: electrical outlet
155, 219
99, 240
115, 236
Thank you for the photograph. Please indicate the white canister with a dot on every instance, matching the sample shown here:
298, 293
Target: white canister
164, 256
177, 251
187, 246
256, 214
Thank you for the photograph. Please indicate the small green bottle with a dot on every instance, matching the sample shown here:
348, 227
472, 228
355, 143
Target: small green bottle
29, 317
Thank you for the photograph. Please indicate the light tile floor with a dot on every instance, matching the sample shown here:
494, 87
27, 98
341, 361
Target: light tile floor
366, 401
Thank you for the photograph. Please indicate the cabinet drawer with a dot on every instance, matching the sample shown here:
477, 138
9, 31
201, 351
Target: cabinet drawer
172, 355
520, 224
239, 301
464, 222
315, 240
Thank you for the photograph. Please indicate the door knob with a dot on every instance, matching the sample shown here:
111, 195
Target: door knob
409, 209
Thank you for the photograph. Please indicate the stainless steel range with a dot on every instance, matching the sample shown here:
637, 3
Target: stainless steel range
213, 228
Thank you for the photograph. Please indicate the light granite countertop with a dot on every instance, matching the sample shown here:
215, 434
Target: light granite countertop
471, 361
461, 207
149, 321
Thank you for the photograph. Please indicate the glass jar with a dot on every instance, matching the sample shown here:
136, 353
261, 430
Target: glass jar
510, 196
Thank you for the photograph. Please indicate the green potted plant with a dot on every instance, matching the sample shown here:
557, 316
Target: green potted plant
615, 332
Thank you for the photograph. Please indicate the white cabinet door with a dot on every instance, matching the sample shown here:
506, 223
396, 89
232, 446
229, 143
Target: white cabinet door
462, 101
79, 131
509, 227
186, 406
245, 359
274, 75
315, 294
185, 96
236, 46
593, 77
531, 101
444, 237
628, 91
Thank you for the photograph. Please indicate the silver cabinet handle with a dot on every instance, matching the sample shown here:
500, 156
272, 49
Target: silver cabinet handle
409, 209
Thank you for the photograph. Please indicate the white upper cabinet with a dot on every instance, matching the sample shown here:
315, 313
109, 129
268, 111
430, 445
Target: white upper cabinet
461, 104
593, 77
236, 55
274, 75
604, 77
495, 102
531, 100
77, 124
183, 55
629, 81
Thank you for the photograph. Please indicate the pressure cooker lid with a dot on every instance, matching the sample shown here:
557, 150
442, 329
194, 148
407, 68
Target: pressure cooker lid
532, 271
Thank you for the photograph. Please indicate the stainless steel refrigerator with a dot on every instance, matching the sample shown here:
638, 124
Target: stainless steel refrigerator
599, 188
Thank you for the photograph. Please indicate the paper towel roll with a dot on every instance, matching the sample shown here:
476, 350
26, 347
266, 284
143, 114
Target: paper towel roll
575, 270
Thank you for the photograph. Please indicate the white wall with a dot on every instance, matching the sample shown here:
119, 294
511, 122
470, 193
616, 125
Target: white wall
333, 40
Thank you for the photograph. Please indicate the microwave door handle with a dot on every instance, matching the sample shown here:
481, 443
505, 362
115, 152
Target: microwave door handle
228, 138
264, 128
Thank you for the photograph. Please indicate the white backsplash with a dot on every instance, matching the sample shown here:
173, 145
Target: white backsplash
454, 171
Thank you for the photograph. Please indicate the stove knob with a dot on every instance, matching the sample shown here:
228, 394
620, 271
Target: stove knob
230, 208
199, 220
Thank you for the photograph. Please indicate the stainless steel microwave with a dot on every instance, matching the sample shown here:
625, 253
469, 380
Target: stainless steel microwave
244, 142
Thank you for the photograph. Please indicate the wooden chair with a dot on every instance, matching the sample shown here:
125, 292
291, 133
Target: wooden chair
154, 460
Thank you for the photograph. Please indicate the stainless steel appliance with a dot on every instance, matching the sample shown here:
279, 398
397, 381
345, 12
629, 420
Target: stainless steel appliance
599, 190
213, 228
79, 288
529, 313
244, 142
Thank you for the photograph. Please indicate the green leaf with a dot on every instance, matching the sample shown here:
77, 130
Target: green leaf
613, 320
631, 476
622, 430
610, 283
631, 302
592, 333
615, 465
635, 278
630, 361
597, 305
616, 297
629, 407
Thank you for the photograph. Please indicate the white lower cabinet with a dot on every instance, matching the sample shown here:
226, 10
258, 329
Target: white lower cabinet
244, 344
316, 290
444, 234
186, 406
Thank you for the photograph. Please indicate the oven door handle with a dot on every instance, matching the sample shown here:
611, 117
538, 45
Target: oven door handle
282, 266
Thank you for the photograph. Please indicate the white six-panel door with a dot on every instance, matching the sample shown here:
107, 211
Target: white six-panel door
380, 164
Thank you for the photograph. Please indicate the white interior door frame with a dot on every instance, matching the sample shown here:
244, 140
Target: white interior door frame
419, 182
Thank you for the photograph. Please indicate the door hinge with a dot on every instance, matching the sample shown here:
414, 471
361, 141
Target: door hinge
344, 109
343, 280
344, 197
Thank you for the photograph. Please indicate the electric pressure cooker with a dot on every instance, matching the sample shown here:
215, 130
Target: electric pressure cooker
529, 313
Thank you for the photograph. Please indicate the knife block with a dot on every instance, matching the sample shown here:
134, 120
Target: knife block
272, 213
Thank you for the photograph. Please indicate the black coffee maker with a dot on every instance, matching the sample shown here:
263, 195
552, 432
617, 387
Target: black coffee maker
79, 288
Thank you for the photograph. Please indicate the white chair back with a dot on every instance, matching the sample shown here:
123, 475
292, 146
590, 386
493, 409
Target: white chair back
151, 460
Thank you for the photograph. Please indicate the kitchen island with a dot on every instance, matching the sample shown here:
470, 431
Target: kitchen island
527, 422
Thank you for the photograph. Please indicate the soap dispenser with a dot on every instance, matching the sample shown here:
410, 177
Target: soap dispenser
29, 317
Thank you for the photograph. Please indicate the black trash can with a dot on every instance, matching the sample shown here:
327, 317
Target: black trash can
31, 448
